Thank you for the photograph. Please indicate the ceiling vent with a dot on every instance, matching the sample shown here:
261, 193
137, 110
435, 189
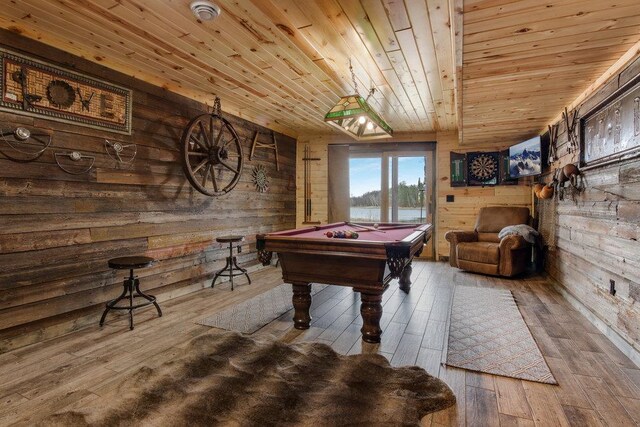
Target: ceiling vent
205, 10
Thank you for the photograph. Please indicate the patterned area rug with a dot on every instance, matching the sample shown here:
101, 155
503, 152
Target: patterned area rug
225, 378
488, 334
252, 314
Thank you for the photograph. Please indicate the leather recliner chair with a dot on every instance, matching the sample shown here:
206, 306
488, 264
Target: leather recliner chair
481, 250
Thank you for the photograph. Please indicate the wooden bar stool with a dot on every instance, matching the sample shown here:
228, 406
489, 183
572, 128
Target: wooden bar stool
131, 287
232, 262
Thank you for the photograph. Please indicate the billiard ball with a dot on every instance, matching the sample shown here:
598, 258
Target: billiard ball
329, 234
354, 235
376, 225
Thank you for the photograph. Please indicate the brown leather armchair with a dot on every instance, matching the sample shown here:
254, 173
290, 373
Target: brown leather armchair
481, 250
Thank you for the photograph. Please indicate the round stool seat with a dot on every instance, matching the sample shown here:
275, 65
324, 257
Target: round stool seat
229, 239
131, 287
129, 262
232, 262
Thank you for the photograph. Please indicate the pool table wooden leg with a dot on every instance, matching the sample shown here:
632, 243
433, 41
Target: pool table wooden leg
405, 278
301, 303
371, 311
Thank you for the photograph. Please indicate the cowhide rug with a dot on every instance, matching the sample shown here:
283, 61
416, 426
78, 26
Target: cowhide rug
229, 379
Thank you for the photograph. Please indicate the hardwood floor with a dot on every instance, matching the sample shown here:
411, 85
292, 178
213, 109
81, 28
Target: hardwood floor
598, 384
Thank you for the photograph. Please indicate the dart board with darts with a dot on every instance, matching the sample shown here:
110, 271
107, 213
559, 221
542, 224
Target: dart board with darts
483, 168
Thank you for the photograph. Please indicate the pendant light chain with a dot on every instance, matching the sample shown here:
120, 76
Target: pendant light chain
371, 92
353, 77
355, 83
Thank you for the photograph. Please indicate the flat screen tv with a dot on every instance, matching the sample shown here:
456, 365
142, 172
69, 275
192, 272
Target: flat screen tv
525, 158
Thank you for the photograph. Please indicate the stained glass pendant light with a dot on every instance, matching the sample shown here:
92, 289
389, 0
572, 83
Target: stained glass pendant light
353, 115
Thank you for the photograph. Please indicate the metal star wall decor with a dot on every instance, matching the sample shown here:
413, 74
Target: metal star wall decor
260, 178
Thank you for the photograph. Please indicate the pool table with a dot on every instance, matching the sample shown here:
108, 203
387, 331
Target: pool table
381, 252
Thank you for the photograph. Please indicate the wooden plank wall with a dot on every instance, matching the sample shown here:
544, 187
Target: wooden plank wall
318, 177
597, 234
57, 231
461, 214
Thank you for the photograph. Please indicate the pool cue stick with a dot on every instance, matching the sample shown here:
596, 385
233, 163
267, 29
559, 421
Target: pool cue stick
365, 227
395, 227
306, 205
308, 183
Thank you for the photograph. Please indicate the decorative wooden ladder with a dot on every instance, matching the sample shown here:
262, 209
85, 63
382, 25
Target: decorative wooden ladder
270, 145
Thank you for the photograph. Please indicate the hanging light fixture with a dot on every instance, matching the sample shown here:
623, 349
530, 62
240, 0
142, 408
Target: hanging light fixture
353, 115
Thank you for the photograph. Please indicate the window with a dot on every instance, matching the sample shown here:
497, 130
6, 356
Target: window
391, 183
407, 202
365, 179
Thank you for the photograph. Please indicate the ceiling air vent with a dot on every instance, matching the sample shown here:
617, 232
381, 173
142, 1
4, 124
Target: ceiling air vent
205, 10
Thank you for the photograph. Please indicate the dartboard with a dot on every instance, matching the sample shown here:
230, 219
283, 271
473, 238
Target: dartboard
483, 168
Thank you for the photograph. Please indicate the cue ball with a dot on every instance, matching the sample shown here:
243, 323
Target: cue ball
376, 225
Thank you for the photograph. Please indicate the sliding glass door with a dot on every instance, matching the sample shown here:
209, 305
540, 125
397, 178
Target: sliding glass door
365, 180
391, 187
407, 201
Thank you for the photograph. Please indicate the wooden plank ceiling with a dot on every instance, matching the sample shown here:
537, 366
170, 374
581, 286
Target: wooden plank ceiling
279, 63
523, 61
284, 63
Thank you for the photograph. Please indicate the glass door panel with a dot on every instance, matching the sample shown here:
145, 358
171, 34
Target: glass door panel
407, 201
365, 178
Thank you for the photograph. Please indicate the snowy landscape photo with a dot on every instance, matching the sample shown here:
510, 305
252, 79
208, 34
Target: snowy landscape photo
525, 158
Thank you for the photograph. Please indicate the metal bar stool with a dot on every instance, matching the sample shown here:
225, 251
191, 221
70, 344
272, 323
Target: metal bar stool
232, 262
131, 287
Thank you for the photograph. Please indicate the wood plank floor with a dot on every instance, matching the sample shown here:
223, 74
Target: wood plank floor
598, 384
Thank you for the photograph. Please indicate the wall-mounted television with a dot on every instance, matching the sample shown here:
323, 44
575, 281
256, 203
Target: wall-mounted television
525, 158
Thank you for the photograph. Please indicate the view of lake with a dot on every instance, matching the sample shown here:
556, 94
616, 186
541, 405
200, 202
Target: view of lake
372, 214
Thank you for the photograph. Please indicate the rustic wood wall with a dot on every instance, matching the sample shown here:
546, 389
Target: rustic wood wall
57, 231
596, 236
461, 214
318, 177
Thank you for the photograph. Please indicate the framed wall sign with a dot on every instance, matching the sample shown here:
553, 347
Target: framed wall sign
35, 88
612, 132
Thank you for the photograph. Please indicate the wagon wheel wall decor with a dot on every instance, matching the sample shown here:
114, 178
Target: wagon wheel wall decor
212, 154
